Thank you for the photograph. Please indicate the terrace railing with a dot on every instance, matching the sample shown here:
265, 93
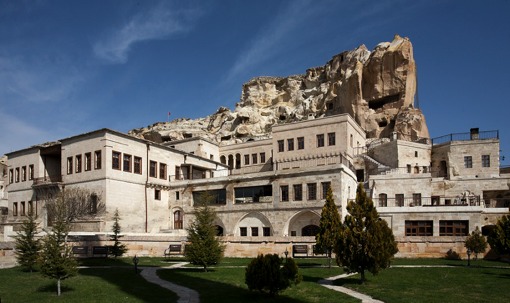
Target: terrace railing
483, 135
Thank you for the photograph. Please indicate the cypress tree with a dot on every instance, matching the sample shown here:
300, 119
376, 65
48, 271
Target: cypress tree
117, 249
329, 226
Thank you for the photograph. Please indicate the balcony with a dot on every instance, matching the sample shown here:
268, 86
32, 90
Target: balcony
429, 201
47, 181
473, 135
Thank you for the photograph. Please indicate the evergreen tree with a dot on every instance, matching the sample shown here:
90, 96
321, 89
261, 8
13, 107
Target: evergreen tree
329, 226
27, 246
266, 274
56, 258
499, 238
117, 249
476, 242
204, 248
366, 243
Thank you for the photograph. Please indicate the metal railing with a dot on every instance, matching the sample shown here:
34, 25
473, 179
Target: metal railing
47, 180
429, 201
483, 135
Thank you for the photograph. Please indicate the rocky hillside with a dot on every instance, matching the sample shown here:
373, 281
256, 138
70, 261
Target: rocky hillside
375, 87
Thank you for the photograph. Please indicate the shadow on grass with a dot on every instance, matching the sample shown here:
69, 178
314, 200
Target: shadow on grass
501, 275
52, 288
212, 290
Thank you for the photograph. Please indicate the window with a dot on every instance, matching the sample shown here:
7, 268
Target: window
418, 228
331, 139
137, 165
290, 144
78, 163
126, 163
94, 200
22, 208
468, 162
162, 171
266, 231
243, 231
254, 158
486, 161
351, 139
23, 173
11, 176
254, 231
280, 146
262, 158
383, 200
178, 219
31, 172
177, 195
320, 140
116, 160
399, 200
69, 165
17, 174
157, 194
312, 191
453, 227
88, 161
416, 199
415, 153
152, 169
285, 192
246, 159
301, 143
31, 210
14, 208
298, 192
177, 173
97, 159
325, 187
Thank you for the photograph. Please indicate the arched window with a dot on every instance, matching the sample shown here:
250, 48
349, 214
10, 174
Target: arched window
178, 219
219, 231
310, 230
223, 159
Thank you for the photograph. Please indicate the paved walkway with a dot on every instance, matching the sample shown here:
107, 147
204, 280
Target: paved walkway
328, 283
186, 295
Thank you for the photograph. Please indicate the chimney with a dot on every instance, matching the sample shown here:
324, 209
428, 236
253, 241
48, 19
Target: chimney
474, 133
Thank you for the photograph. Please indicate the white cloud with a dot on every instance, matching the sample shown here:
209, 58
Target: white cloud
160, 22
17, 134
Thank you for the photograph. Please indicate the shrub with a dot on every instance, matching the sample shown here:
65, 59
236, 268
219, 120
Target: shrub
266, 274
452, 255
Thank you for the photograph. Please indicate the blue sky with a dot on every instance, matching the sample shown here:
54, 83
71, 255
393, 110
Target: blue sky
68, 67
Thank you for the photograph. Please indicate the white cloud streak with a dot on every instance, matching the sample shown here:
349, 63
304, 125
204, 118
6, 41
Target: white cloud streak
156, 24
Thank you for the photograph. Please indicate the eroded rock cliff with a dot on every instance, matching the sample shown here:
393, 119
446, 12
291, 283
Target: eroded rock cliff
377, 88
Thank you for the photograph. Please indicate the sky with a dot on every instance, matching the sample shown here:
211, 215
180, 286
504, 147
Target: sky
69, 67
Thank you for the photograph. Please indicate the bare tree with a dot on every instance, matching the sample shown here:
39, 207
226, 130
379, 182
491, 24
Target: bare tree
74, 203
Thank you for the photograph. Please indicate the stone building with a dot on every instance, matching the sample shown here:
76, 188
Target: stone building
268, 194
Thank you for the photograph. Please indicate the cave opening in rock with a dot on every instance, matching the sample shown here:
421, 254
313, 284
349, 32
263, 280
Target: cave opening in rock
379, 103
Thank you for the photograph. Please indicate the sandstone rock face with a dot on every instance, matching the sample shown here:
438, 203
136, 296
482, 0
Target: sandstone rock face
376, 88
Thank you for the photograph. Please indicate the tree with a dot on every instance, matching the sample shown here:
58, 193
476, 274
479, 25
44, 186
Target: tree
329, 226
117, 249
476, 242
266, 274
204, 248
27, 246
499, 238
365, 242
56, 259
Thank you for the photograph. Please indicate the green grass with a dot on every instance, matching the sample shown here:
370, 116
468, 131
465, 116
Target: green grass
91, 285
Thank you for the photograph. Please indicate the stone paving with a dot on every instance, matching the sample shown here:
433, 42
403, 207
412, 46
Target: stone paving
328, 283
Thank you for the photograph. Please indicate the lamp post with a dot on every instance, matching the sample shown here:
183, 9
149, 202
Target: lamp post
469, 256
135, 261
286, 252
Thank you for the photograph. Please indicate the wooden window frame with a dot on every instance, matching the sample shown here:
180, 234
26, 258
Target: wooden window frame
137, 165
97, 159
320, 140
262, 158
116, 161
78, 163
298, 192
383, 200
281, 146
31, 172
419, 228
88, 161
331, 139
266, 231
178, 219
468, 162
254, 231
254, 159
153, 165
312, 191
162, 171
127, 161
246, 159
15, 209
324, 187
290, 144
454, 228
157, 194
243, 231
70, 165
486, 161
284, 190
23, 173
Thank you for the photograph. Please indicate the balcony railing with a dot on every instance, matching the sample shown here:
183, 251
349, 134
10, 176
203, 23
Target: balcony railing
484, 135
429, 201
47, 180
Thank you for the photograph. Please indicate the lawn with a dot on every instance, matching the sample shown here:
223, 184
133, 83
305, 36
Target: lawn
115, 281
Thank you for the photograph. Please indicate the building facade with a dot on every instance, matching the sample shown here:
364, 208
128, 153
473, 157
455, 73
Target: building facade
268, 194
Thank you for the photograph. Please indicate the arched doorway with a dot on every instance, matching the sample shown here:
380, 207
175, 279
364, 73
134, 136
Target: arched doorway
178, 219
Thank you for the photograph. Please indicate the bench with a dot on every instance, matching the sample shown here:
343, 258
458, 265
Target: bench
82, 251
319, 251
299, 251
173, 249
100, 251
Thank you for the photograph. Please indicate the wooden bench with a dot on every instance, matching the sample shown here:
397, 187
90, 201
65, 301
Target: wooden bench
319, 251
173, 249
98, 251
299, 251
82, 251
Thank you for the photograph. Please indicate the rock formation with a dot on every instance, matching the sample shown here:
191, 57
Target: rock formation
376, 88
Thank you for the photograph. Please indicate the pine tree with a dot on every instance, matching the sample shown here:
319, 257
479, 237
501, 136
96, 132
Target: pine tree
329, 226
366, 243
56, 258
27, 246
204, 248
117, 249
476, 242
499, 238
